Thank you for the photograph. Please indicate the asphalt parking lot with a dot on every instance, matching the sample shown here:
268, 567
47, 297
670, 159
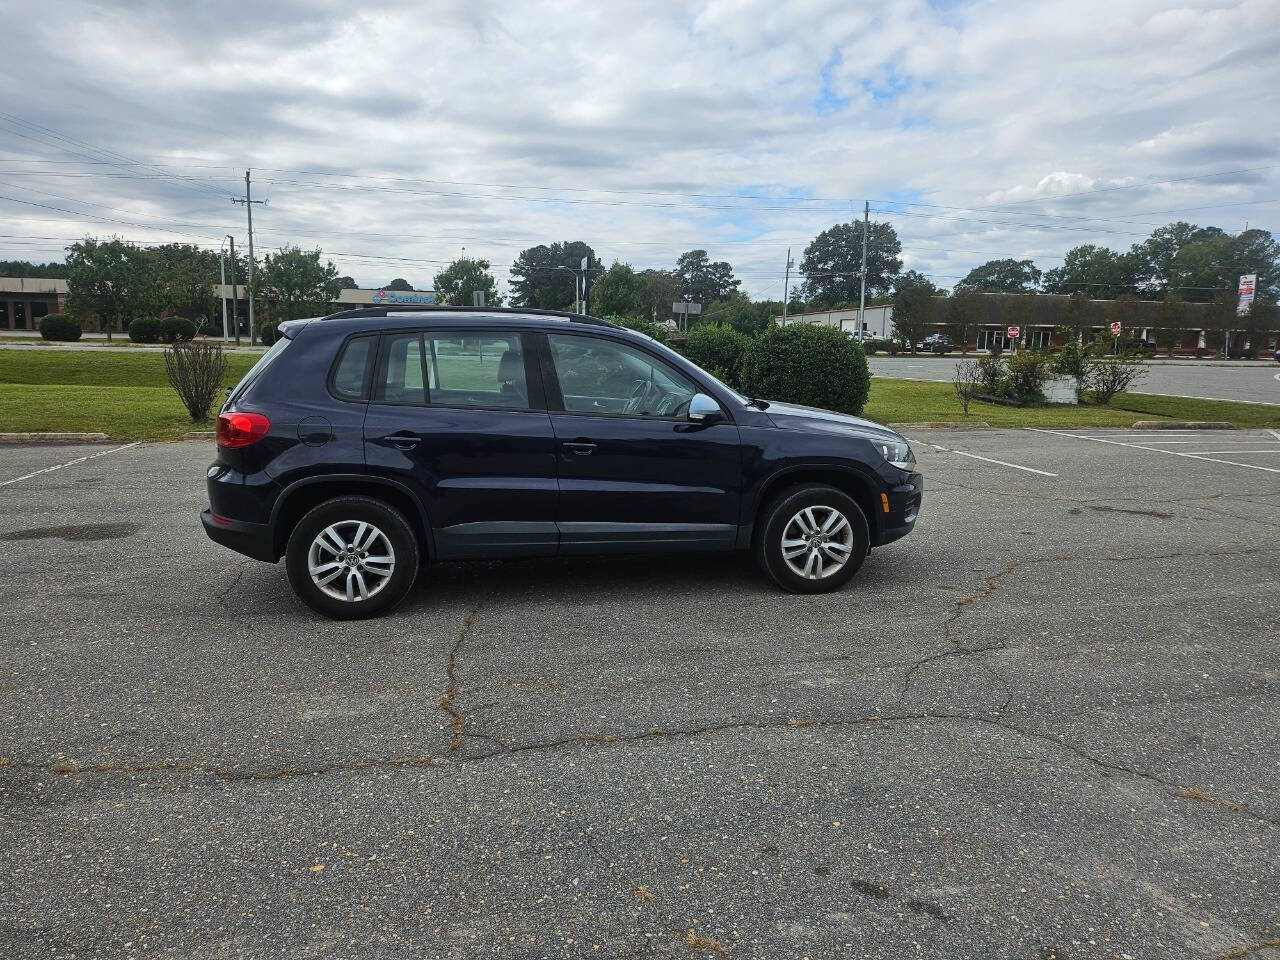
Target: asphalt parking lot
1251, 381
1042, 726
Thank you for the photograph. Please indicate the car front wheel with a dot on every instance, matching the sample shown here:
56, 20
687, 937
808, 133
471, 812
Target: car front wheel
812, 539
352, 557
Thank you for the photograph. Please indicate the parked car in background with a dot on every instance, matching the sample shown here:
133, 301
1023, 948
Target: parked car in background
1140, 345
1277, 354
372, 442
937, 343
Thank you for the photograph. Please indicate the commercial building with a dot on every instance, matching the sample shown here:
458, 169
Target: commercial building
1038, 331
24, 300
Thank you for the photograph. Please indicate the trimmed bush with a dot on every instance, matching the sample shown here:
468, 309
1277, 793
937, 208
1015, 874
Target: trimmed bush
647, 327
177, 329
58, 326
1028, 371
880, 346
145, 330
810, 365
992, 373
715, 347
269, 333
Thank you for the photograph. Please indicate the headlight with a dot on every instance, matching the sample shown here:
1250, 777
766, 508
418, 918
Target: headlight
898, 453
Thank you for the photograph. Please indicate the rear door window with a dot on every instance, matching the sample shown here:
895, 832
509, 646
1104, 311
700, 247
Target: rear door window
476, 369
401, 376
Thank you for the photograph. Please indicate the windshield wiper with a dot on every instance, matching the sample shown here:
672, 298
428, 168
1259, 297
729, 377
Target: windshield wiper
757, 403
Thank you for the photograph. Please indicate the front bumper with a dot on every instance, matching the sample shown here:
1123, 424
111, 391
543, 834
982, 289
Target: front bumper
252, 539
904, 508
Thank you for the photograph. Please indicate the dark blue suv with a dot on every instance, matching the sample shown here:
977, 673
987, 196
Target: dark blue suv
365, 444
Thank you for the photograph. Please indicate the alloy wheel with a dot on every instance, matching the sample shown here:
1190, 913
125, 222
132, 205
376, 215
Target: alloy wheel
817, 542
351, 560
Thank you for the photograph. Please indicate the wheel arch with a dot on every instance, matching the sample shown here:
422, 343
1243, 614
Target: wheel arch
848, 480
309, 492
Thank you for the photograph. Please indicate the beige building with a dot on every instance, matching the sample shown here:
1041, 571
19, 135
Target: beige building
24, 300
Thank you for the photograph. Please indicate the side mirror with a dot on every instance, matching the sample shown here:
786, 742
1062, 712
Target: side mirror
704, 409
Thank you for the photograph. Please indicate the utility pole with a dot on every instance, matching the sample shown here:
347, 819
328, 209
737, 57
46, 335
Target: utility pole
862, 295
235, 299
248, 202
586, 284
222, 287
786, 289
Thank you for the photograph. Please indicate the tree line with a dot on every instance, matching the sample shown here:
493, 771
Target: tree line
1179, 263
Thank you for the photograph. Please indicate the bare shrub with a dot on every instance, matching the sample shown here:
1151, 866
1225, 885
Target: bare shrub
196, 369
968, 382
1111, 375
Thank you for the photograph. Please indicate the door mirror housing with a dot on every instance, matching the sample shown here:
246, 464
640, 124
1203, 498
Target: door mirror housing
704, 409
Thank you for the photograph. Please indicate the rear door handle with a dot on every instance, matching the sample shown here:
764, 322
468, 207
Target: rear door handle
402, 441
581, 448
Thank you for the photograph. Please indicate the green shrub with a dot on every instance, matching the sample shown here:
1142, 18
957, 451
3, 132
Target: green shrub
175, 329
1073, 362
269, 333
145, 330
712, 346
58, 326
810, 365
991, 371
647, 327
880, 346
1028, 371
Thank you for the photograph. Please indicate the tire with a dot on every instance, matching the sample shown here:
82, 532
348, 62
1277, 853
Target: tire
789, 514
357, 522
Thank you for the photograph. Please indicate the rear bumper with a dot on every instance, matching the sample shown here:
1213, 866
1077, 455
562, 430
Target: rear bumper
905, 500
252, 539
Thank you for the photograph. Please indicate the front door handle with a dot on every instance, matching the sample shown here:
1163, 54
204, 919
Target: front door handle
581, 448
402, 441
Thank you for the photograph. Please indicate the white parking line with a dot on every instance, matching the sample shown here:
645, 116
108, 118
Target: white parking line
1274, 433
1189, 396
974, 456
69, 463
1172, 453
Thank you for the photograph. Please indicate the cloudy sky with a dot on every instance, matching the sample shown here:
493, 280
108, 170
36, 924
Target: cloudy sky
393, 135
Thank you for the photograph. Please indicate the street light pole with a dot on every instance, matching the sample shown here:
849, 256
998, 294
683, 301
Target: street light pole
786, 289
235, 299
222, 286
862, 295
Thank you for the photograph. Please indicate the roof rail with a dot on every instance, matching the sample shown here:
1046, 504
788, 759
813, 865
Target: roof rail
386, 311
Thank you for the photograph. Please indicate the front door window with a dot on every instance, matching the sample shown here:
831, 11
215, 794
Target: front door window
601, 376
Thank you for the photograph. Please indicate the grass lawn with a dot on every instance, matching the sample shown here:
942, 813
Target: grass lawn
912, 401
127, 397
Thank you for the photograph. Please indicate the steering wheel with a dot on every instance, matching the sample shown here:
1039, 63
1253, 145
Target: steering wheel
639, 393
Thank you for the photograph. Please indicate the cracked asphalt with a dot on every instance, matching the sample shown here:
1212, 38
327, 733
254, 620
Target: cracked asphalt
1042, 726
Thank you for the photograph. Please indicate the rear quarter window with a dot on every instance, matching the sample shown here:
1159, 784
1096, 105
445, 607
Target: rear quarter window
259, 368
350, 377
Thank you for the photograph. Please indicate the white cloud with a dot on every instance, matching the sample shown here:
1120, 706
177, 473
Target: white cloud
957, 105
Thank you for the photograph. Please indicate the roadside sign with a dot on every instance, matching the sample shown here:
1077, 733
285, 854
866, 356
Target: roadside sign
1247, 283
1115, 328
1013, 332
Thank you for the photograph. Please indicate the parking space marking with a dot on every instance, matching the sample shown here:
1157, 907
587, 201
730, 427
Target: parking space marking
1274, 433
974, 456
69, 463
1190, 396
1172, 453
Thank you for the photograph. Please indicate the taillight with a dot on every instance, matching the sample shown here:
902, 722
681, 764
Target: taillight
241, 429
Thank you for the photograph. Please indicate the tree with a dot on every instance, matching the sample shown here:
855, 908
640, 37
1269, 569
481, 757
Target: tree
24, 268
702, 280
464, 277
660, 290
618, 293
742, 313
1095, 271
1259, 322
114, 279
1003, 276
399, 283
1076, 319
298, 281
967, 382
186, 276
966, 310
1171, 322
832, 263
1198, 263
1217, 318
913, 308
547, 276
346, 283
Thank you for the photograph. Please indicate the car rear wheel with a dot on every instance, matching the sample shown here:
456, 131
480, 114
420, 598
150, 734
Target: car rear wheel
811, 539
352, 557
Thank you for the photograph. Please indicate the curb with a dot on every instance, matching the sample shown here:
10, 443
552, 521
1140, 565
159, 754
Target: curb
200, 435
1184, 425
943, 424
53, 437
